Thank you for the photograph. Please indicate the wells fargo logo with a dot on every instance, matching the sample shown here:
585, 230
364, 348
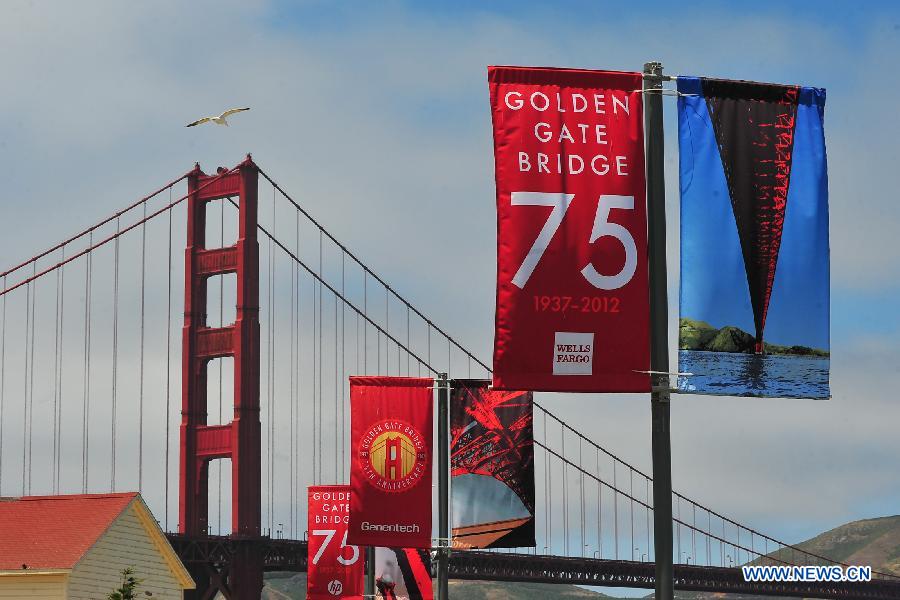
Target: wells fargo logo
392, 455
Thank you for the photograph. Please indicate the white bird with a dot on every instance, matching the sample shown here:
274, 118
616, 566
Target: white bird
220, 120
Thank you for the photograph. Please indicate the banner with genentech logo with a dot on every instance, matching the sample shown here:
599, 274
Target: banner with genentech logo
572, 283
390, 472
334, 568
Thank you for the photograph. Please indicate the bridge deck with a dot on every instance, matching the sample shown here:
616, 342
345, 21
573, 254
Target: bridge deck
290, 555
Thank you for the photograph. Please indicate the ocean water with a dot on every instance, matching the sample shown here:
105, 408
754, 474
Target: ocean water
733, 374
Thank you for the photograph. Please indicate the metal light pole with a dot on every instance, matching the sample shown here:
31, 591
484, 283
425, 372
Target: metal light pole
659, 331
369, 581
443, 556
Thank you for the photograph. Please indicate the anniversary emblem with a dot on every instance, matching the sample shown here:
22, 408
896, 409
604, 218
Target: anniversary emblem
392, 455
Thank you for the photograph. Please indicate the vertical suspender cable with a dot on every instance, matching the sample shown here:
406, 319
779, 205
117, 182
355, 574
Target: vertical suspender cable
31, 379
546, 488
343, 371
168, 356
25, 383
299, 381
336, 391
62, 314
615, 510
407, 342
365, 323
268, 371
315, 415
86, 401
599, 509
631, 506
321, 357
115, 358
270, 365
581, 476
2, 383
272, 330
53, 418
387, 328
678, 526
291, 404
141, 378
647, 512
565, 489
694, 533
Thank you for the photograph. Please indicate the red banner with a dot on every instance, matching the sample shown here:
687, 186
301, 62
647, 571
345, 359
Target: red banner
335, 568
572, 284
390, 473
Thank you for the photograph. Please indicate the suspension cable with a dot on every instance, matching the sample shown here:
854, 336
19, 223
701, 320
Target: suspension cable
92, 246
91, 229
370, 272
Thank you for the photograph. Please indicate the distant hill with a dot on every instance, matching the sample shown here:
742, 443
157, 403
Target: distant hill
701, 336
873, 542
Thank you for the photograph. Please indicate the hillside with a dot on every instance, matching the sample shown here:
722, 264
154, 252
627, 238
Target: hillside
701, 336
874, 542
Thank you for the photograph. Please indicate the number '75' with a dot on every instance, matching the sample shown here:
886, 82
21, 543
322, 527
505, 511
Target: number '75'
602, 227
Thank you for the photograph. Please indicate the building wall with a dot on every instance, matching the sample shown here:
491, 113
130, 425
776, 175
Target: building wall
125, 544
33, 585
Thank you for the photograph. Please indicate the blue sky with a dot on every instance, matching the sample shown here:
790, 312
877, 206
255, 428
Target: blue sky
376, 116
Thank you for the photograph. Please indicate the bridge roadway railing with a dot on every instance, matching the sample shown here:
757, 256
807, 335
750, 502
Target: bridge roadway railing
291, 555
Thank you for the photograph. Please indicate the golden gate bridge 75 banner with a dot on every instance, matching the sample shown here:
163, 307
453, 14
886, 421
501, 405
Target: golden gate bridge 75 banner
334, 567
572, 283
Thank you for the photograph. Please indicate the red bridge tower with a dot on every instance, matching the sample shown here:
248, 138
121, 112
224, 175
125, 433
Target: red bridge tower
238, 440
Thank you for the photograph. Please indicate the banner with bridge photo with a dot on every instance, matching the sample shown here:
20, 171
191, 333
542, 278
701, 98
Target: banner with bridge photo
754, 240
492, 465
572, 282
391, 421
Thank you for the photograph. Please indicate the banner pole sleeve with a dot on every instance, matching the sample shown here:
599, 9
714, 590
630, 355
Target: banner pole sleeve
443, 567
369, 583
659, 333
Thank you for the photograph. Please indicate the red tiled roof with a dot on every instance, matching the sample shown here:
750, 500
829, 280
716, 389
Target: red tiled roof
54, 532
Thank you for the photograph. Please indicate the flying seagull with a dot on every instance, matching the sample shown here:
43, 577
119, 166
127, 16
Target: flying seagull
220, 120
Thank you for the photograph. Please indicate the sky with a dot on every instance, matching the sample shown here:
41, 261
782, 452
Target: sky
375, 116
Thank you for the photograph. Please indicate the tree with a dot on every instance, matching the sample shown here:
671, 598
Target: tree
128, 588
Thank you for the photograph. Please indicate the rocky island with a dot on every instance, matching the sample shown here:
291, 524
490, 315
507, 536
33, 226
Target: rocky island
701, 336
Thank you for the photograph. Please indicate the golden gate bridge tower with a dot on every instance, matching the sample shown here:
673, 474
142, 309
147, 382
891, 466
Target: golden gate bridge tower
240, 439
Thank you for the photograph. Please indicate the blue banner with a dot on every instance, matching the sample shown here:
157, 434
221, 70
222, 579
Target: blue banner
754, 239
